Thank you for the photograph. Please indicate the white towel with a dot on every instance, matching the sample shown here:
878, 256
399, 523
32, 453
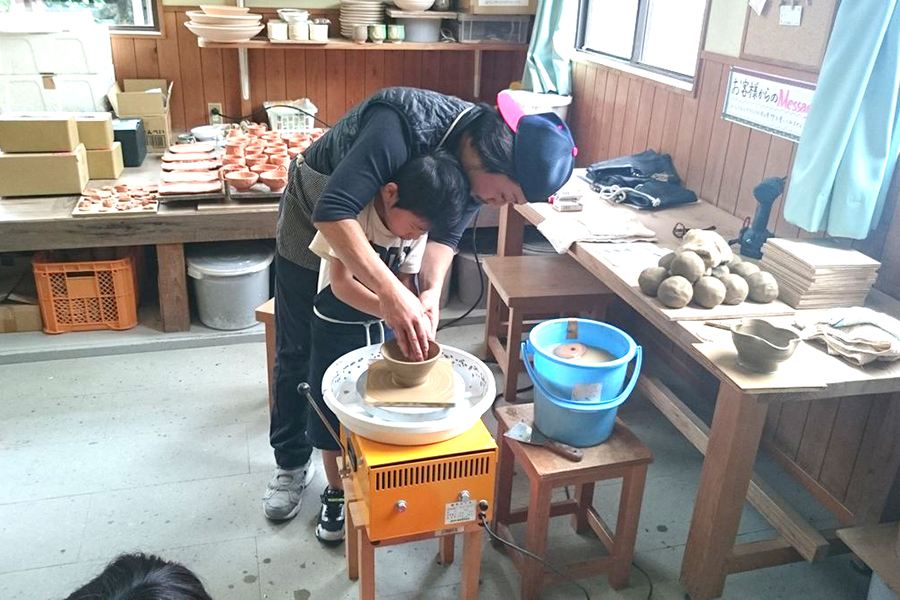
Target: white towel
860, 335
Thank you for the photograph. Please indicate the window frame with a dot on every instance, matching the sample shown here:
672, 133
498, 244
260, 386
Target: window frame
637, 46
133, 30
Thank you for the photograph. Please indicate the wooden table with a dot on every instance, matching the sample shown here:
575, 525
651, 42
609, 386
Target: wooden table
46, 223
731, 443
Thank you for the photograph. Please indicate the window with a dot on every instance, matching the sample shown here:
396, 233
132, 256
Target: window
657, 35
121, 15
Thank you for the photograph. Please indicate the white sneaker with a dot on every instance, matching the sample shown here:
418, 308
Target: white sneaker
283, 493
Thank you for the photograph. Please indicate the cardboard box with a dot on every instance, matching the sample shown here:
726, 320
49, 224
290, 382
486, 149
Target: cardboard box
134, 142
19, 310
498, 7
106, 163
136, 100
95, 130
38, 132
158, 132
55, 173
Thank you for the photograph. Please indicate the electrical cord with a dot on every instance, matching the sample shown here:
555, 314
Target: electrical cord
533, 556
452, 322
219, 113
649, 581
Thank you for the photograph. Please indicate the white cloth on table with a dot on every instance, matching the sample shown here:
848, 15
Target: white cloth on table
858, 334
564, 229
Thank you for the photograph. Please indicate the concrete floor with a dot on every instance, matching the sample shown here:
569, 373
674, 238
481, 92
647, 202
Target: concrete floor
167, 452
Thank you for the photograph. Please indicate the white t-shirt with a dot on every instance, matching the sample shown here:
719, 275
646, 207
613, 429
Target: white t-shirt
401, 256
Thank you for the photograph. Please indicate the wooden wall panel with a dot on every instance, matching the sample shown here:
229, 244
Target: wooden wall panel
335, 80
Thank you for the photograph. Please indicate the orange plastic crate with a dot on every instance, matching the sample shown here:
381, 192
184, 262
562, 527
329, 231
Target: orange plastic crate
87, 295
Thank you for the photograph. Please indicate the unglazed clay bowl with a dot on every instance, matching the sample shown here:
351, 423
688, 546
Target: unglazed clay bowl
761, 346
279, 149
275, 179
241, 180
407, 373
292, 152
280, 161
261, 168
236, 149
231, 169
256, 130
233, 160
256, 159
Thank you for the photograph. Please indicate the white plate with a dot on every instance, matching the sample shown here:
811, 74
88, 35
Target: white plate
224, 10
220, 33
202, 18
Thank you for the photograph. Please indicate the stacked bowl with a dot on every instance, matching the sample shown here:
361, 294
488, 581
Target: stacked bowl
224, 24
262, 156
360, 12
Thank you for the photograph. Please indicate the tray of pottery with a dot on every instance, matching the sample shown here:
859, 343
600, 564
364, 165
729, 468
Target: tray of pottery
118, 200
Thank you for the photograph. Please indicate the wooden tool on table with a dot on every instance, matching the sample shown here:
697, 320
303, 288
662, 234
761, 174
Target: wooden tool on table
523, 432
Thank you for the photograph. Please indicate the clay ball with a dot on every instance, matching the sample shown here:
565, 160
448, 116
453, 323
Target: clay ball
666, 260
763, 287
650, 279
688, 265
736, 289
735, 260
675, 292
720, 271
709, 292
744, 269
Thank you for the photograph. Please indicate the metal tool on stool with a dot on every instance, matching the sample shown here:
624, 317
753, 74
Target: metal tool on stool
523, 432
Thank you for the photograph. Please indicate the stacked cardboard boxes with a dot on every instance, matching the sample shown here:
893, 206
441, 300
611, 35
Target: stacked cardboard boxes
104, 155
41, 154
148, 100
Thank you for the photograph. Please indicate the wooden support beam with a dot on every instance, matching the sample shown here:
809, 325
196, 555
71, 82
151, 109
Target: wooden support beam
172, 279
557, 509
774, 552
804, 537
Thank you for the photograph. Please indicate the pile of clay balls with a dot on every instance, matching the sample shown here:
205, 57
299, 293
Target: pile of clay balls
706, 271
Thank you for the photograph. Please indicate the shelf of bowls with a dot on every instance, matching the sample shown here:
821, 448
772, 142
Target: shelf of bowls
234, 24
414, 20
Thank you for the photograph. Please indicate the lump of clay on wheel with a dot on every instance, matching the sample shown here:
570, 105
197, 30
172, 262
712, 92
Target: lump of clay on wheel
720, 271
744, 269
688, 265
736, 289
709, 292
763, 287
650, 279
675, 292
666, 260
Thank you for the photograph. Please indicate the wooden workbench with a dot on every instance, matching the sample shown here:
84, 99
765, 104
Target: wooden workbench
731, 443
45, 223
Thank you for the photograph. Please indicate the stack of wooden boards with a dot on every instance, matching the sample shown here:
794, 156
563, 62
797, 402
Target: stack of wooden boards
190, 169
819, 274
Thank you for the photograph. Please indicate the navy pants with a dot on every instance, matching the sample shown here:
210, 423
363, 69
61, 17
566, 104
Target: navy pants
295, 289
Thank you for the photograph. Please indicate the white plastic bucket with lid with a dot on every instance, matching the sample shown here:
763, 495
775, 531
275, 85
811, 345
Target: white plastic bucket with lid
230, 280
533, 103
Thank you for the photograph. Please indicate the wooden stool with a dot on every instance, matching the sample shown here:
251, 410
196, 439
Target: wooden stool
265, 314
532, 286
360, 550
622, 455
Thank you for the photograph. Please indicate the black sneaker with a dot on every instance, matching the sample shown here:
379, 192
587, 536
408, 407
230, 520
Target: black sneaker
330, 529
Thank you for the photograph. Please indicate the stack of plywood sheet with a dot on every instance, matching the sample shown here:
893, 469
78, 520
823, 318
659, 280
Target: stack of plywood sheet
819, 274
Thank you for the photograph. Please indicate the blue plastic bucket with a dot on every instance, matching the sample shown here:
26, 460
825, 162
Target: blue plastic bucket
600, 387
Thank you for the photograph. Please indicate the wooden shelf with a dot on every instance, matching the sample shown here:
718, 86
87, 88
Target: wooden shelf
342, 44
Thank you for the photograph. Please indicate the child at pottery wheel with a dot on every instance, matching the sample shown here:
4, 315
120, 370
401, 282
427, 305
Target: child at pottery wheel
426, 191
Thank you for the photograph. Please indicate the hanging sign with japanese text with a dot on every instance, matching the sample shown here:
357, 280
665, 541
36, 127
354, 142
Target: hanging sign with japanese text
772, 104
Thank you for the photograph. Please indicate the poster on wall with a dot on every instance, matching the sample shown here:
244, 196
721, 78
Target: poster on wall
772, 104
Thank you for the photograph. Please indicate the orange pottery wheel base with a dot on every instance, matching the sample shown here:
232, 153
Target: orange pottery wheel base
438, 389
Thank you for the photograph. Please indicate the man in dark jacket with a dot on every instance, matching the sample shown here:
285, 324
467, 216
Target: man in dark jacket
508, 158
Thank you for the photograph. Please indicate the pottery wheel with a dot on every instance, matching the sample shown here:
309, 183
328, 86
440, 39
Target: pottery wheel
344, 391
436, 391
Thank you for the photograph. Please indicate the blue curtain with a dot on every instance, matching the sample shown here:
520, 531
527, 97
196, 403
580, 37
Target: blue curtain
547, 67
851, 140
